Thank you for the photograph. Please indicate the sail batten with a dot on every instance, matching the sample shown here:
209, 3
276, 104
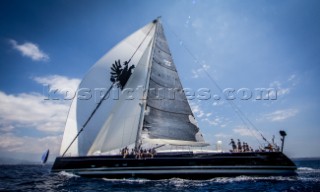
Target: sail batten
172, 112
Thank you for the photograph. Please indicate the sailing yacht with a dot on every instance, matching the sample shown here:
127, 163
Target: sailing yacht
130, 110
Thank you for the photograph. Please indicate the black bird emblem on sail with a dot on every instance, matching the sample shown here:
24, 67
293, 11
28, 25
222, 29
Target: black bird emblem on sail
120, 74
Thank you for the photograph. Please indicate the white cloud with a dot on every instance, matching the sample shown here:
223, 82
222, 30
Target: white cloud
281, 115
12, 143
218, 103
4, 127
292, 77
33, 111
215, 121
197, 111
278, 86
293, 80
30, 50
206, 117
196, 73
222, 135
58, 82
246, 132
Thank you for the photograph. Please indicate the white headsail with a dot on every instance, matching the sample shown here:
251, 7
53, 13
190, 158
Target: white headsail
121, 127
93, 86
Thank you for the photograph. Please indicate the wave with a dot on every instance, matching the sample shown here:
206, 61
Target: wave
251, 178
304, 174
178, 182
67, 174
186, 183
305, 169
129, 180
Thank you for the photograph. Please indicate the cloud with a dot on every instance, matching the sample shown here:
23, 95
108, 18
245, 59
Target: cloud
292, 77
281, 115
218, 103
278, 86
196, 73
33, 111
6, 128
206, 117
246, 132
30, 50
293, 80
58, 82
196, 109
33, 145
208, 114
222, 135
216, 121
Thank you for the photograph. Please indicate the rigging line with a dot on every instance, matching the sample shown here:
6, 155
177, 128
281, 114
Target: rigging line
233, 105
98, 105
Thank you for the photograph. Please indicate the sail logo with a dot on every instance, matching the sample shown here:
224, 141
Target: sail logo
120, 74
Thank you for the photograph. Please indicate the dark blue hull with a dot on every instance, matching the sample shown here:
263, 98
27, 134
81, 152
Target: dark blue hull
181, 165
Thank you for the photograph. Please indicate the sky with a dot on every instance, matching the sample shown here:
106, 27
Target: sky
239, 45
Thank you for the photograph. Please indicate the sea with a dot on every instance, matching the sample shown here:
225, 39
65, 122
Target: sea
38, 178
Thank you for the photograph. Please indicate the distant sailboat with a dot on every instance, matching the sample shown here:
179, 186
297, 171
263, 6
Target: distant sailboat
141, 111
45, 156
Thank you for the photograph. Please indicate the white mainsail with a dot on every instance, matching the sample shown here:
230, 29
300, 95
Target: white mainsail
169, 119
138, 116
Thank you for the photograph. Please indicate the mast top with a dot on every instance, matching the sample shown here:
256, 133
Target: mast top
157, 19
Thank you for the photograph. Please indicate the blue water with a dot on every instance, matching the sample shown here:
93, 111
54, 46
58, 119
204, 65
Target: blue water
39, 178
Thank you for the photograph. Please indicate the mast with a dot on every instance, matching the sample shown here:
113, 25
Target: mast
145, 91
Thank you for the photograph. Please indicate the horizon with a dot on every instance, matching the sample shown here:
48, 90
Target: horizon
48, 47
